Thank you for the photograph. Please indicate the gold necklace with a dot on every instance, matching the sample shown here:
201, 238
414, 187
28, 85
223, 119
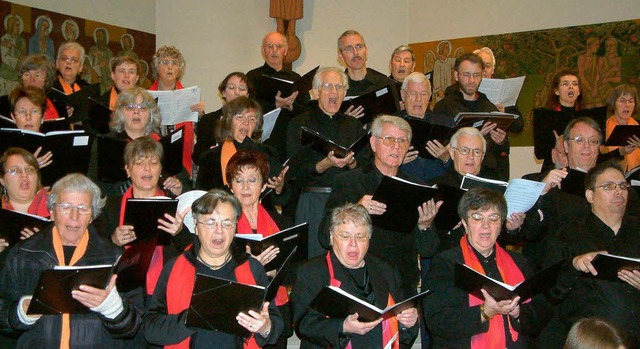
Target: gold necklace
227, 258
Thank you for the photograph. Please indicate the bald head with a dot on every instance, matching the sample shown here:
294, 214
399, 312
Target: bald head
274, 49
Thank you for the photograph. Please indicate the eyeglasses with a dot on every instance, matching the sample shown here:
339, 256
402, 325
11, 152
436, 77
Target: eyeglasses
467, 75
211, 224
232, 87
349, 237
140, 107
252, 182
567, 83
327, 86
389, 141
624, 101
352, 48
23, 112
71, 60
34, 76
246, 118
582, 141
66, 209
464, 151
612, 186
168, 62
273, 46
415, 95
17, 171
479, 218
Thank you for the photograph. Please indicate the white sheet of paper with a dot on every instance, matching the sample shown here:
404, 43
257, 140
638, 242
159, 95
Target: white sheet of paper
268, 122
175, 106
505, 91
522, 194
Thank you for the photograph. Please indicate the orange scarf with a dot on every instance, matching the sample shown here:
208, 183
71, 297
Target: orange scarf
182, 280
266, 227
631, 160
113, 99
511, 274
67, 88
389, 326
81, 248
228, 150
157, 260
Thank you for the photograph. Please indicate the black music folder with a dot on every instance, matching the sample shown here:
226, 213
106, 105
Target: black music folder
402, 198
573, 183
323, 145
172, 145
270, 85
97, 118
143, 215
78, 100
286, 240
381, 101
133, 265
71, 150
216, 302
338, 304
13, 222
477, 120
424, 131
52, 295
472, 281
608, 265
621, 134
447, 217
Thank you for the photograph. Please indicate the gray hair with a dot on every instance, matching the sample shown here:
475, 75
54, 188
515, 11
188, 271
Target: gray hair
378, 123
403, 48
416, 78
129, 97
72, 46
584, 120
284, 39
318, 78
487, 51
469, 131
348, 33
77, 183
209, 201
350, 213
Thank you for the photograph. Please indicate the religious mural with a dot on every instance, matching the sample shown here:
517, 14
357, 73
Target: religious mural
604, 56
30, 30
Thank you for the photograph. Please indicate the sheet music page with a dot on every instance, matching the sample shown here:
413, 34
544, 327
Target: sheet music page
505, 91
175, 106
268, 122
522, 194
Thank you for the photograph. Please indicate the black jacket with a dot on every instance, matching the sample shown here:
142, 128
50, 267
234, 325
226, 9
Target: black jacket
19, 278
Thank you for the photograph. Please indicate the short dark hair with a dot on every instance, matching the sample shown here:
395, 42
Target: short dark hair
241, 76
471, 57
33, 94
482, 199
231, 109
26, 155
595, 172
247, 159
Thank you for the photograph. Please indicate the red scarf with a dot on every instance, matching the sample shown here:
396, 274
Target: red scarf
51, 113
189, 134
511, 274
389, 326
266, 227
182, 280
38, 206
157, 260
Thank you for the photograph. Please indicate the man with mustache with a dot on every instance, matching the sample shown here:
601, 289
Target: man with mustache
352, 51
463, 96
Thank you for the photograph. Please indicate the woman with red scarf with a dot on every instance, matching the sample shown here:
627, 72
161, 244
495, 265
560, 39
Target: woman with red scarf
248, 173
213, 253
21, 188
143, 157
457, 319
168, 69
